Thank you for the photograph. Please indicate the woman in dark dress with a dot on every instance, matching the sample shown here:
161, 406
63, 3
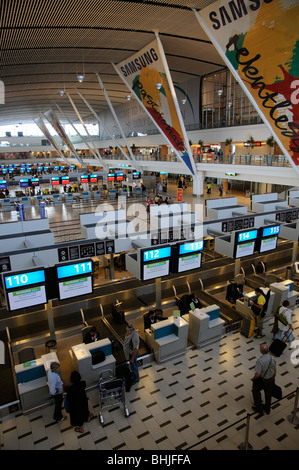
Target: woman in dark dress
77, 402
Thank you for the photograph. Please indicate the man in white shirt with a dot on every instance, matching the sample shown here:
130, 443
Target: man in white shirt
285, 330
56, 390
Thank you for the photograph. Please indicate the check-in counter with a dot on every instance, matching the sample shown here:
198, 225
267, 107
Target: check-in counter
56, 198
32, 380
243, 305
81, 356
86, 195
6, 204
97, 195
167, 338
284, 291
205, 325
68, 198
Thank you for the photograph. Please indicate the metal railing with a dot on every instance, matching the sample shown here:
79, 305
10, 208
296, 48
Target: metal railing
245, 422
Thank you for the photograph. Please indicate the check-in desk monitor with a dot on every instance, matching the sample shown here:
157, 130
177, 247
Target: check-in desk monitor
25, 289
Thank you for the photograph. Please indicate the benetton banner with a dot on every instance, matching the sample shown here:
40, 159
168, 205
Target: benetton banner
141, 73
259, 41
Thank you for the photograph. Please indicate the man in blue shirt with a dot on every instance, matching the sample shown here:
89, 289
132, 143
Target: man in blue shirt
264, 377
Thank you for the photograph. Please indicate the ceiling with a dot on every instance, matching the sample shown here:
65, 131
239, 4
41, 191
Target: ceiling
45, 44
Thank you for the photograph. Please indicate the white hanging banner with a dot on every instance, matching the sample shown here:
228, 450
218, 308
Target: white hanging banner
42, 126
141, 73
118, 123
54, 121
258, 40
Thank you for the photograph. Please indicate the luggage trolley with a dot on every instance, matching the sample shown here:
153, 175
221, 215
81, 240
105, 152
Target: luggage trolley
111, 393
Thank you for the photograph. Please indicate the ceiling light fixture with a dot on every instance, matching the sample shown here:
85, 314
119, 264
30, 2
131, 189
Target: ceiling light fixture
61, 92
184, 100
158, 85
80, 78
219, 92
129, 97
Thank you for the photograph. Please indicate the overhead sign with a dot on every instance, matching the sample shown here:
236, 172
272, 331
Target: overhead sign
258, 40
147, 76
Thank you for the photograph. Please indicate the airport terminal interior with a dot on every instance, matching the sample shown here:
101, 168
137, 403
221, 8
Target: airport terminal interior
102, 221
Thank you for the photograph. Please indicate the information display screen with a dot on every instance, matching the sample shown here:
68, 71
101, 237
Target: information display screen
190, 247
189, 262
156, 269
136, 175
155, 262
24, 279
268, 244
74, 269
246, 236
34, 181
25, 289
245, 249
24, 183
3, 184
84, 178
268, 231
55, 180
24, 298
111, 177
157, 254
75, 287
93, 178
119, 176
65, 180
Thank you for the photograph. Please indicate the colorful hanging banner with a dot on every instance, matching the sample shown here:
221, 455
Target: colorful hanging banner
147, 76
259, 42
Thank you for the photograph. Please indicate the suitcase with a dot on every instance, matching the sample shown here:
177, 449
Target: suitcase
124, 372
277, 347
247, 326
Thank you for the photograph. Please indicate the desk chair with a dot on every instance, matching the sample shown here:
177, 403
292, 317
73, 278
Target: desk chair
26, 355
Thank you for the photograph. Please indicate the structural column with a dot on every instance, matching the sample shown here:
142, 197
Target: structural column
198, 180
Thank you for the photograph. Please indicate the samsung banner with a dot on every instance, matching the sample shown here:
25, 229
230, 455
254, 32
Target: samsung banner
259, 41
147, 76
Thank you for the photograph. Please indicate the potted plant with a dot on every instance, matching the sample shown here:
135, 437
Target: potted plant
228, 143
270, 142
250, 141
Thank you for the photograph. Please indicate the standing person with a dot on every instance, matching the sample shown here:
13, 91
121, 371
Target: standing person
56, 388
220, 190
209, 187
257, 307
264, 377
77, 402
131, 350
286, 327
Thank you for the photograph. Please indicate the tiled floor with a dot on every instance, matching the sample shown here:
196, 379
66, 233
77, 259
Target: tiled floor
187, 402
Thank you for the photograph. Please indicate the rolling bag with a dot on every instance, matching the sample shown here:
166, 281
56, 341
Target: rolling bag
276, 392
277, 347
247, 326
